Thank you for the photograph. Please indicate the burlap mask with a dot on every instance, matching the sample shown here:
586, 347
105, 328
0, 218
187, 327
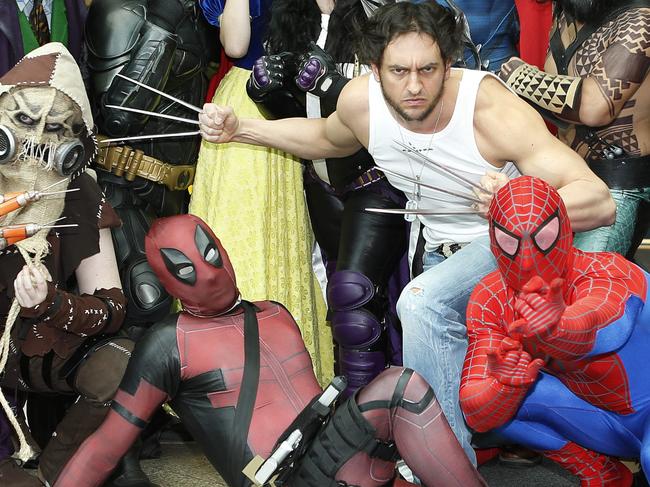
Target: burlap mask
43, 102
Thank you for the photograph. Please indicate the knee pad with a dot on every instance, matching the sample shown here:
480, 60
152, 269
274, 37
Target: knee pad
148, 300
360, 367
352, 326
100, 373
348, 290
358, 332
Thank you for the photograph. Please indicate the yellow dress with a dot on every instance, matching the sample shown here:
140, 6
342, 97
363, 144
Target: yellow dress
253, 199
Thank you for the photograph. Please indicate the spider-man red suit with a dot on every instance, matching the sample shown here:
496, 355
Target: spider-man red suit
557, 342
200, 360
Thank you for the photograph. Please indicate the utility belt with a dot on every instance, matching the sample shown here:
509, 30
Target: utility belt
623, 172
318, 443
124, 161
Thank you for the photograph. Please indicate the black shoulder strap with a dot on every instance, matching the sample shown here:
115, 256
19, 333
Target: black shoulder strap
247, 392
562, 56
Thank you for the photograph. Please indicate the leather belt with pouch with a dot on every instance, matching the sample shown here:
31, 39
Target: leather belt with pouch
126, 162
623, 172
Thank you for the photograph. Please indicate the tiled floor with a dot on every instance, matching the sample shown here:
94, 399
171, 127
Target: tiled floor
183, 465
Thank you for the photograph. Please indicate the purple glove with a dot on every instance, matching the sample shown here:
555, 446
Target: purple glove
317, 72
268, 74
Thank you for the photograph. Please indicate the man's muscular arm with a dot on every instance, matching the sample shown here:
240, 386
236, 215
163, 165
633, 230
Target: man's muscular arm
508, 129
497, 372
617, 64
308, 139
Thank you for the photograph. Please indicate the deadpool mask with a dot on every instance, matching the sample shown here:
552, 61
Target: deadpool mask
192, 265
530, 232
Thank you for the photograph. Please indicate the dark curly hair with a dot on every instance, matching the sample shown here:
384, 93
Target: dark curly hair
295, 23
393, 20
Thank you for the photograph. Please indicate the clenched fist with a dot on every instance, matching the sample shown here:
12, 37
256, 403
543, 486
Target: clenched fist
541, 307
490, 183
511, 365
269, 74
218, 124
30, 285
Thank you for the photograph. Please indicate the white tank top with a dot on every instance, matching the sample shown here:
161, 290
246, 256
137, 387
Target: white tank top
454, 147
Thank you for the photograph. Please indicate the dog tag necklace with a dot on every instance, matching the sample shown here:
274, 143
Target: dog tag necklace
414, 202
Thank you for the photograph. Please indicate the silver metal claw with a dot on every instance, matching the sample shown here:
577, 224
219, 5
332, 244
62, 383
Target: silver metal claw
161, 93
420, 211
434, 188
154, 114
150, 136
442, 167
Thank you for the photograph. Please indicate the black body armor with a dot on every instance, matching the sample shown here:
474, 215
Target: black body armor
165, 44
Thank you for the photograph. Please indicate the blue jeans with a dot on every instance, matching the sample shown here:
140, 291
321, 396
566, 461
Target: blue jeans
432, 310
616, 237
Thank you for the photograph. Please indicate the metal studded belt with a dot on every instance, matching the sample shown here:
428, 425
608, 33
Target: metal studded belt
365, 179
126, 162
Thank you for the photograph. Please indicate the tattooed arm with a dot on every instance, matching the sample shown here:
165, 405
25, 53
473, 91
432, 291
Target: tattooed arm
607, 70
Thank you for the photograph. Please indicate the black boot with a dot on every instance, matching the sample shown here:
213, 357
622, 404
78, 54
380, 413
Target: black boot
128, 472
12, 475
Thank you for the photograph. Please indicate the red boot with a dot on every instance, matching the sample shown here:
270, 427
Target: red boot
593, 469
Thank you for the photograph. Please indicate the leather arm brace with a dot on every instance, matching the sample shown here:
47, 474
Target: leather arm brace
87, 314
555, 93
146, 56
330, 98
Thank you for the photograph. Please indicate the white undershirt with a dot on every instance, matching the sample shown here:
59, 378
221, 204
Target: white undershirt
454, 147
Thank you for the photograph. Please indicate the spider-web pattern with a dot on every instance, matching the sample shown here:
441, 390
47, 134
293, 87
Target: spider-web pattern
521, 210
594, 469
596, 290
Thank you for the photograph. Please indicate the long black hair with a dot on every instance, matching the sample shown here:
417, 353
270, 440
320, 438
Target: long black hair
296, 23
588, 11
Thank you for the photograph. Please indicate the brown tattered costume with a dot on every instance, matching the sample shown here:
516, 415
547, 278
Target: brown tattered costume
68, 247
54, 345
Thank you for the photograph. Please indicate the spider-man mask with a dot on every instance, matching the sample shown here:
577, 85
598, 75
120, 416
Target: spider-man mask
190, 262
530, 232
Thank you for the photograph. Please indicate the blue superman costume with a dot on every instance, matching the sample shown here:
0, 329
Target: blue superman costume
558, 340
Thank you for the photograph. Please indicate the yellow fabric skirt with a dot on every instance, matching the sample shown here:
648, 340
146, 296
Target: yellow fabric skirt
252, 197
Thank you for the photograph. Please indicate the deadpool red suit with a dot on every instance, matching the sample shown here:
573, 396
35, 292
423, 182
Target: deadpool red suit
238, 375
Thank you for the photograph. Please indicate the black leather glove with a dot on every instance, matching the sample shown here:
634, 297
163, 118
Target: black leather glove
317, 73
269, 74
270, 85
